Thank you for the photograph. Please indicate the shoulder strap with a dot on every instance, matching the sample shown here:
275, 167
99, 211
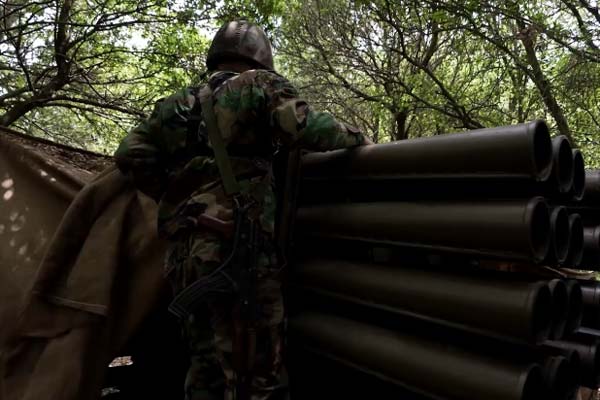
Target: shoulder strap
216, 140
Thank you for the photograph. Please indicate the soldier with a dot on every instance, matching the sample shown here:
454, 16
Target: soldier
181, 156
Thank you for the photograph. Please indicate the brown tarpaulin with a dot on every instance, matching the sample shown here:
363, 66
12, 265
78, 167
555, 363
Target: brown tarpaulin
79, 269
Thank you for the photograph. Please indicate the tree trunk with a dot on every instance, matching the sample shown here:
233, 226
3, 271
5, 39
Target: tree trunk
376, 130
543, 85
16, 112
400, 118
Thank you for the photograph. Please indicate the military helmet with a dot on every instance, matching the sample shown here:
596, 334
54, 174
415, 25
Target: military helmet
240, 40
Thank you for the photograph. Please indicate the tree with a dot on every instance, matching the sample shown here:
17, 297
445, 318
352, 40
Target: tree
85, 71
71, 62
401, 58
424, 67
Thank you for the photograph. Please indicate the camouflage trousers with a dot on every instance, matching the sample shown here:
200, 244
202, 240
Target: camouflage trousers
209, 330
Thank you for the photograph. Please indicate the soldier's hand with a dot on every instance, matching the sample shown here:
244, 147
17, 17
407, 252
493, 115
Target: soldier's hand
137, 156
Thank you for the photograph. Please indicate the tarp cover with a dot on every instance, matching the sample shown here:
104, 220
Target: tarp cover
80, 268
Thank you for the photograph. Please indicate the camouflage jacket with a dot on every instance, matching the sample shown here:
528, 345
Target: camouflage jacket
257, 111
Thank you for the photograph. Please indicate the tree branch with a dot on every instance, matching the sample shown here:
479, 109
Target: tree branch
543, 85
94, 103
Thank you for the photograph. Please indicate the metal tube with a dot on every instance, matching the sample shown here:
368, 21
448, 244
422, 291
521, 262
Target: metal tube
591, 196
578, 188
587, 347
507, 308
591, 248
590, 319
518, 229
522, 150
561, 235
575, 313
317, 376
560, 301
315, 191
570, 354
562, 163
589, 215
559, 380
575, 253
573, 358
591, 293
425, 366
591, 305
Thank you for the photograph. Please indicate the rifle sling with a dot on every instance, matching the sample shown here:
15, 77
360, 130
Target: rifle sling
230, 184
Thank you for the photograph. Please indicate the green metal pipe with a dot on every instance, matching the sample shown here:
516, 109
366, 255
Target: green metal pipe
560, 302
591, 248
575, 313
562, 164
587, 347
421, 365
576, 242
508, 308
522, 150
591, 293
591, 197
578, 189
559, 378
326, 181
518, 229
561, 235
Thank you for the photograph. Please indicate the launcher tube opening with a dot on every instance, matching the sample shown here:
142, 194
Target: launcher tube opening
559, 222
563, 163
578, 189
542, 150
560, 305
540, 228
543, 314
575, 254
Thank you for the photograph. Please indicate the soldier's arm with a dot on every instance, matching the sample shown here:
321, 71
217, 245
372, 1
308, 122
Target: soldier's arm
299, 124
146, 152
303, 126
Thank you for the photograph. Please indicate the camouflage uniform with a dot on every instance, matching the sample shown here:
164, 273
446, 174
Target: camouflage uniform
257, 111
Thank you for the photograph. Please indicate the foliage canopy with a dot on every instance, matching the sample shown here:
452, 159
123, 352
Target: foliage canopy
85, 71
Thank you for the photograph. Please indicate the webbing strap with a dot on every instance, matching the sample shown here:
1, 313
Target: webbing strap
216, 140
